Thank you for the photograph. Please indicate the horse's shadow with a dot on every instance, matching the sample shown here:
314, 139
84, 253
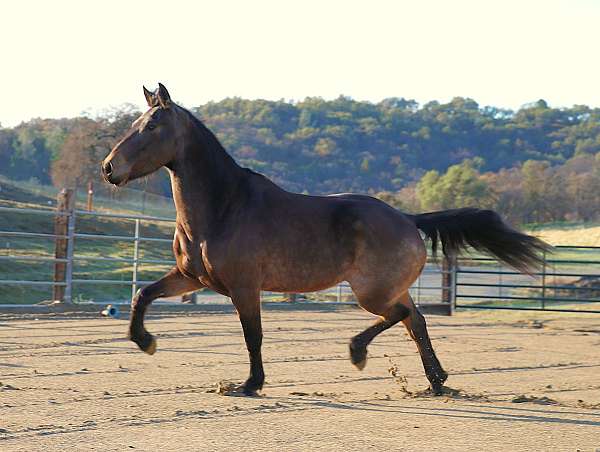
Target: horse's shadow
469, 410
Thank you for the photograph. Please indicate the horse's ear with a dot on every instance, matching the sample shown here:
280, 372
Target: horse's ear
164, 99
150, 99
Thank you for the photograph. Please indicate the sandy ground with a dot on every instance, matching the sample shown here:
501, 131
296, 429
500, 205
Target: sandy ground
519, 381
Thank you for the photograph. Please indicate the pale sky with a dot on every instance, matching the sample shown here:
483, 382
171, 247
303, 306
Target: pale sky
60, 58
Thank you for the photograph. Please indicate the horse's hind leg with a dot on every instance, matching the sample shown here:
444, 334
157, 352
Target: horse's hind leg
417, 328
359, 343
173, 283
403, 310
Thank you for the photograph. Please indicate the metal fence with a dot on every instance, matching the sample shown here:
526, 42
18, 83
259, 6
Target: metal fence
35, 247
108, 256
569, 281
108, 250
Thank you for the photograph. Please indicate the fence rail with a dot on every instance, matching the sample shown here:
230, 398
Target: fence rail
428, 290
476, 282
569, 281
67, 256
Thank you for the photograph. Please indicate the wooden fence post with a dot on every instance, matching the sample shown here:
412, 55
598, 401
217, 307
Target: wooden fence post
64, 207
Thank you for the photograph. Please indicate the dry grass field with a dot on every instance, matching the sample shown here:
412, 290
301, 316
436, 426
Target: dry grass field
518, 381
570, 235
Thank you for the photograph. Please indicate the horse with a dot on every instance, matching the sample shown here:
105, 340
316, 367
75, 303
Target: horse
238, 233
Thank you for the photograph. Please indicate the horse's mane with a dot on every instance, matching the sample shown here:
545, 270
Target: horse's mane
205, 133
212, 142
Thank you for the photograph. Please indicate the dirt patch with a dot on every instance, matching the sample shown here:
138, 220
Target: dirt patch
67, 383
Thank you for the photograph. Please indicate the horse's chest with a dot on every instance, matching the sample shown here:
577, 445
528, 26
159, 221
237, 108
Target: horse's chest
190, 262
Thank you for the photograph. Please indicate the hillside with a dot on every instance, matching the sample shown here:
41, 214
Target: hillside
322, 146
538, 164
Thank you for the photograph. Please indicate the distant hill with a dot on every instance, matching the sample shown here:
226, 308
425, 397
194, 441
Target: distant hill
320, 146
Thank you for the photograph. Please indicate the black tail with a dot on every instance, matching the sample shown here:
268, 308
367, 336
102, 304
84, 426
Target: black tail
485, 231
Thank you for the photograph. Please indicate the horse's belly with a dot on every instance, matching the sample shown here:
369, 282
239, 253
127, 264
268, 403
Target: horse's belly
303, 275
294, 286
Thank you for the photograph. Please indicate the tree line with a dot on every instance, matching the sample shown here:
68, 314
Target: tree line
535, 164
534, 192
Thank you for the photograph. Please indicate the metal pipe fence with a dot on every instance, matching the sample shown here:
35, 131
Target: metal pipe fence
428, 290
121, 251
569, 281
36, 239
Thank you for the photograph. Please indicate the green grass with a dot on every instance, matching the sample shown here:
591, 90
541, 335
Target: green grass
15, 195
84, 269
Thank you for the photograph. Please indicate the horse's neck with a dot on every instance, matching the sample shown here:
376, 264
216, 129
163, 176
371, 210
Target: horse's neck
205, 182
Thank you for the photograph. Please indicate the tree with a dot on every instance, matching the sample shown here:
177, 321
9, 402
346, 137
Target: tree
460, 186
81, 153
325, 147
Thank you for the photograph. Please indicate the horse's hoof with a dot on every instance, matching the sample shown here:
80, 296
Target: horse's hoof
361, 365
437, 389
249, 392
251, 387
436, 382
151, 348
358, 356
437, 385
239, 391
147, 343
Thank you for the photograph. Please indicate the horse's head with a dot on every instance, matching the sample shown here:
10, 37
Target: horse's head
152, 141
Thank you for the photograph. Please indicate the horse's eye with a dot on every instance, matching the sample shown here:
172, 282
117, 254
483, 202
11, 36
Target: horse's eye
151, 126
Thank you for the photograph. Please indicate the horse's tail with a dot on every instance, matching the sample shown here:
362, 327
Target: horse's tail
485, 231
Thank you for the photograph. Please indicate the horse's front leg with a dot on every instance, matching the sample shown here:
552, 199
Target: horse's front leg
247, 304
172, 284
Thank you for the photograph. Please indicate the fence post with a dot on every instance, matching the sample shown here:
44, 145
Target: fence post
448, 273
64, 211
70, 249
90, 196
544, 281
136, 253
454, 284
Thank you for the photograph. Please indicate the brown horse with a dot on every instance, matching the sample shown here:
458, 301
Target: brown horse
238, 233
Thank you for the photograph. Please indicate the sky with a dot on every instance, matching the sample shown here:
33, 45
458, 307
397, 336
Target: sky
60, 58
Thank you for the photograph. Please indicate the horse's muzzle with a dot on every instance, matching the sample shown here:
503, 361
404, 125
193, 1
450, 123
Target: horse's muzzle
110, 173
107, 170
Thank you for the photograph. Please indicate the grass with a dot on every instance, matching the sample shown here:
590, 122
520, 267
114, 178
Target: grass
563, 233
17, 196
85, 269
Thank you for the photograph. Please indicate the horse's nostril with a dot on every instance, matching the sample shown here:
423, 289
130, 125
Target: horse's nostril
107, 168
